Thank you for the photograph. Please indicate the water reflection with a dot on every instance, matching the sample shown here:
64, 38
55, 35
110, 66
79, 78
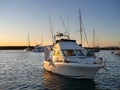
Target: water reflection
24, 71
57, 82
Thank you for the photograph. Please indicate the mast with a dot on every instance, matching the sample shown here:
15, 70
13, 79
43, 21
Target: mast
67, 31
28, 41
51, 30
80, 26
93, 38
42, 39
68, 28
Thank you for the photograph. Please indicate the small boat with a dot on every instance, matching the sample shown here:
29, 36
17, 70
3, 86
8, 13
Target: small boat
38, 49
95, 48
28, 49
68, 59
117, 52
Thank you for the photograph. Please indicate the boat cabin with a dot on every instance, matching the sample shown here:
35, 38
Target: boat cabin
64, 49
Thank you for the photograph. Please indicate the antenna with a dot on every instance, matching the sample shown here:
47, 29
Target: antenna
65, 27
51, 30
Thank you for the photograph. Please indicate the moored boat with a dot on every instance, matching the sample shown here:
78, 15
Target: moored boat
38, 49
28, 49
68, 59
117, 52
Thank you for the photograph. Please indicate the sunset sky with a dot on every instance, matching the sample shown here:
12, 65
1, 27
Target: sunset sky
18, 17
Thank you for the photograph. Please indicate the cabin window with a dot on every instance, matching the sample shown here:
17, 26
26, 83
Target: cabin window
79, 53
68, 53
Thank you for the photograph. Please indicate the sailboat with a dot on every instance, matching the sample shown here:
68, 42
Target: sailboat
95, 48
117, 52
28, 47
67, 59
87, 52
38, 48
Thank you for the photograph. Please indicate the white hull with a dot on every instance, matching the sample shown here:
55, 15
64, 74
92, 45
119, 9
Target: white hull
73, 70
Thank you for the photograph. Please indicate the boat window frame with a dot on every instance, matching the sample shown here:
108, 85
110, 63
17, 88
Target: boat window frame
76, 51
73, 52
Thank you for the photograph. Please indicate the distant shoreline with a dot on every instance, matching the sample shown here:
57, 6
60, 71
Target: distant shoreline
23, 47
14, 47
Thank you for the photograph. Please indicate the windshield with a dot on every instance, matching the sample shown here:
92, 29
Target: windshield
76, 52
79, 52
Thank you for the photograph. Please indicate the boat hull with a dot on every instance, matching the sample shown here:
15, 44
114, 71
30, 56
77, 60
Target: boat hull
72, 70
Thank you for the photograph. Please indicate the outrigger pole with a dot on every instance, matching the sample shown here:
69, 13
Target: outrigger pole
80, 26
67, 31
51, 30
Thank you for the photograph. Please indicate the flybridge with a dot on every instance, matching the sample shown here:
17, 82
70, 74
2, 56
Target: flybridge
65, 40
60, 37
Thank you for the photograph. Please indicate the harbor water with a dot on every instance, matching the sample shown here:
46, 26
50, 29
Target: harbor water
24, 71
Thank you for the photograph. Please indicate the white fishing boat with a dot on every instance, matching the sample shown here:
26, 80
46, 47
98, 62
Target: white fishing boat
68, 59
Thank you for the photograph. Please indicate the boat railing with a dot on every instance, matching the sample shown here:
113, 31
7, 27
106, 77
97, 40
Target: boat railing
73, 61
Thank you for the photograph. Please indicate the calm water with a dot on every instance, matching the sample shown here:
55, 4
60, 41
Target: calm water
24, 71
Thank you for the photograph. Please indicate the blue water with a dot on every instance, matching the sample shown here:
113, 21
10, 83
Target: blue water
24, 71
